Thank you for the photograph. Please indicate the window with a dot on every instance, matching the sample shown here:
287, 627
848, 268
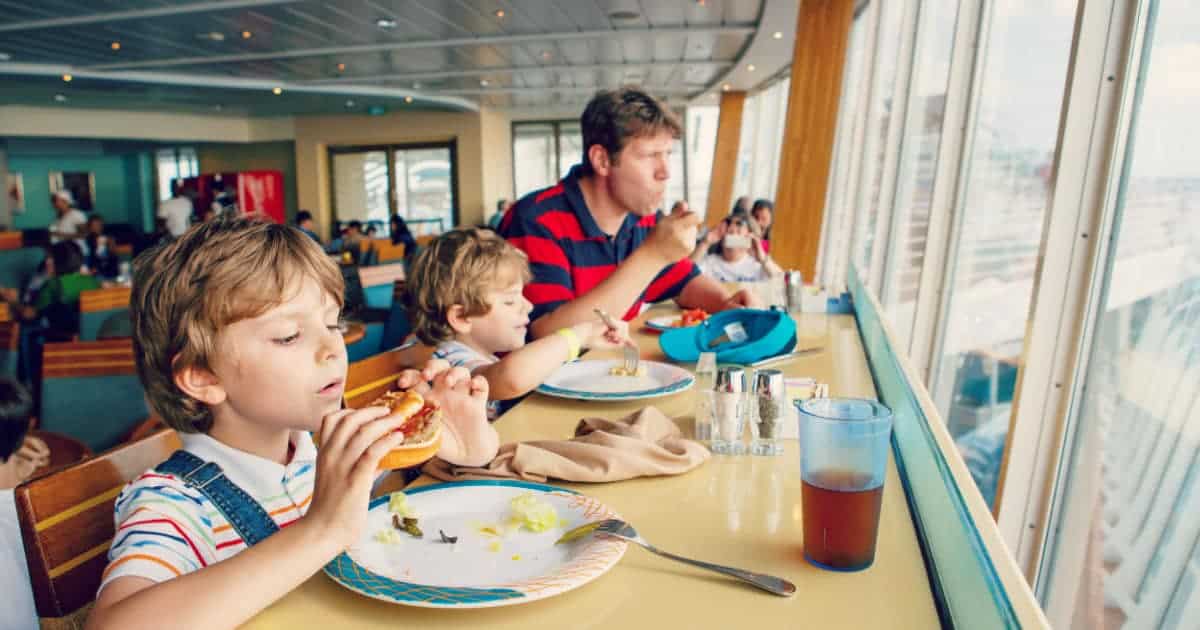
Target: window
700, 145
991, 270
174, 163
879, 118
763, 118
918, 163
1131, 481
417, 182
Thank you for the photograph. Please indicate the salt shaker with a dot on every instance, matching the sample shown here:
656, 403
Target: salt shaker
728, 405
706, 372
770, 407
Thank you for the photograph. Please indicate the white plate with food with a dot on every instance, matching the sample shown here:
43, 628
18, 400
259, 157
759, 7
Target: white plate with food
481, 544
606, 380
685, 319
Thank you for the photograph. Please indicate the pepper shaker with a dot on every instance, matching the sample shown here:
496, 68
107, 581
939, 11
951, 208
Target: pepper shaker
728, 407
770, 396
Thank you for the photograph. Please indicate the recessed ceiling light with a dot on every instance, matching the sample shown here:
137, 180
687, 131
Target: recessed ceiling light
499, 13
341, 67
407, 99
218, 107
247, 34
623, 14
67, 78
416, 85
5, 56
214, 36
349, 103
777, 34
483, 82
385, 23
750, 67
277, 91
59, 98
725, 87
115, 45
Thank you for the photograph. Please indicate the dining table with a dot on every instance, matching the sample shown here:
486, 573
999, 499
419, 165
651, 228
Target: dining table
738, 510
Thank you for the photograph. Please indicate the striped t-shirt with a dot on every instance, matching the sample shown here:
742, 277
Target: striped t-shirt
165, 529
569, 254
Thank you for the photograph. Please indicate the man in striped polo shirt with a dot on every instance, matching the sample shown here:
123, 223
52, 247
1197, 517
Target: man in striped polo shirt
597, 240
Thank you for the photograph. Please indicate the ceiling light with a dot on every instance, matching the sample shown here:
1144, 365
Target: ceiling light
115, 45
499, 13
385, 23
59, 98
545, 54
5, 56
622, 14
214, 36
218, 107
247, 34
277, 91
416, 85
341, 67
483, 82
777, 34
725, 88
349, 103
407, 99
67, 78
750, 67
701, 2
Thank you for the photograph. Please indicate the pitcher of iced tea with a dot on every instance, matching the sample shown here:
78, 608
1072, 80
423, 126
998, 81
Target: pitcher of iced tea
844, 444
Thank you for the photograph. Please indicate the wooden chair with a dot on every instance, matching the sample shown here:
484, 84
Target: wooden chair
366, 380
12, 240
90, 391
66, 521
98, 305
388, 252
10, 343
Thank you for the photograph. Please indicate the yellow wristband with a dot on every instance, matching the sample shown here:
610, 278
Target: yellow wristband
572, 342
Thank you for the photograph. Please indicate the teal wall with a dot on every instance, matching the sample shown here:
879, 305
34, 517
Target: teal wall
122, 186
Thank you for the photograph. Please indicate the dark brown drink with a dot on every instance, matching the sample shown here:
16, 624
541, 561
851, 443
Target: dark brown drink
841, 519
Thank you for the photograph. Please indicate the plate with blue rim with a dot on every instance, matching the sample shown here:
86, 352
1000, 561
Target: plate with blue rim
598, 380
494, 561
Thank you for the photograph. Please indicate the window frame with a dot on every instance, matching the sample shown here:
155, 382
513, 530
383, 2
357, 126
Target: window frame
390, 151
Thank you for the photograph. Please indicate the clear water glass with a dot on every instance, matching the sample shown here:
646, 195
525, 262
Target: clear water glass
706, 371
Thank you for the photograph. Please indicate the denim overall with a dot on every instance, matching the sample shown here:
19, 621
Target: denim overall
244, 514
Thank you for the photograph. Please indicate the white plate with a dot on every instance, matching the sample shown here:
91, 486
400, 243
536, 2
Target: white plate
591, 380
476, 572
666, 322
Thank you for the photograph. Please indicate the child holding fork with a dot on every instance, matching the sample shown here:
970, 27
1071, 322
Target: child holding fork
465, 297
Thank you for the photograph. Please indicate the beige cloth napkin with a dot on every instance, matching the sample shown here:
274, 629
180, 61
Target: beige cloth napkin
645, 443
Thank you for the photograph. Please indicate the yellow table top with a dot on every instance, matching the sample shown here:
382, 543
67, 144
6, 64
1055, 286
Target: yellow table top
742, 511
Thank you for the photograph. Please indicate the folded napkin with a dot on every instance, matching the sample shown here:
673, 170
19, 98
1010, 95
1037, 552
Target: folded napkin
643, 444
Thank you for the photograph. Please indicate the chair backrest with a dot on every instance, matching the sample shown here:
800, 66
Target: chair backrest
66, 521
97, 306
10, 335
91, 392
387, 251
378, 283
12, 240
366, 380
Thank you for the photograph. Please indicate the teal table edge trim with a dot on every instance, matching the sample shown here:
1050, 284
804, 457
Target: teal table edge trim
966, 587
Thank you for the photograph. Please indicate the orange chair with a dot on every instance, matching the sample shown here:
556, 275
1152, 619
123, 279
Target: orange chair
12, 240
66, 521
387, 252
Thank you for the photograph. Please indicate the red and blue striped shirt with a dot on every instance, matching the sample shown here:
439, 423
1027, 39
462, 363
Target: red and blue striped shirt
569, 254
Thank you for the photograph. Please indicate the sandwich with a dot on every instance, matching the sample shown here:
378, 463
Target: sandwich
422, 428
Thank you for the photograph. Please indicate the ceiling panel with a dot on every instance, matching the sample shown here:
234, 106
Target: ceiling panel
303, 41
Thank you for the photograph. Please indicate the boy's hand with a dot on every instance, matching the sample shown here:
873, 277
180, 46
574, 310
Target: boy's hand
595, 334
460, 395
352, 443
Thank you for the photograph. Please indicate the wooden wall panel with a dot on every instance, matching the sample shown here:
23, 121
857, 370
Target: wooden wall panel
822, 36
724, 167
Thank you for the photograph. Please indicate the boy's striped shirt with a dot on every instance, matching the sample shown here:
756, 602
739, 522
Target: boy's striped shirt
569, 254
165, 529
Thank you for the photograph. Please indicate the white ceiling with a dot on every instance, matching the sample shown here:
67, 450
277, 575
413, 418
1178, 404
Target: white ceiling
519, 55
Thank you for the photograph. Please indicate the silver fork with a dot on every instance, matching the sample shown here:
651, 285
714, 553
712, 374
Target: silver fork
771, 584
632, 356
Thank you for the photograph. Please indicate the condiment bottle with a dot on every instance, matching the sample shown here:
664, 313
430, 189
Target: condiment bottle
728, 405
769, 412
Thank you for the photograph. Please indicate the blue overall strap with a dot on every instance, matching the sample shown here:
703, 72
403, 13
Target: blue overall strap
244, 514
